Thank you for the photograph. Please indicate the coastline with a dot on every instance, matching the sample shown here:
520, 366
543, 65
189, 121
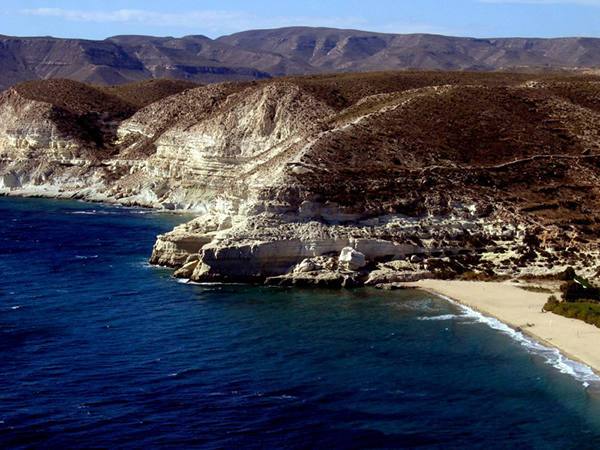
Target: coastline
507, 302
521, 310
77, 196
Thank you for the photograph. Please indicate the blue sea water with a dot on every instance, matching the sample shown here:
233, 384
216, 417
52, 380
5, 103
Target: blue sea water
99, 349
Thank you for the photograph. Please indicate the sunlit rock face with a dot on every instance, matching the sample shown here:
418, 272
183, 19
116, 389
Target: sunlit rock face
36, 150
421, 174
223, 144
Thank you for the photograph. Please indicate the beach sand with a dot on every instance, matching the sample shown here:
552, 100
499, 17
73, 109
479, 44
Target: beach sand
522, 310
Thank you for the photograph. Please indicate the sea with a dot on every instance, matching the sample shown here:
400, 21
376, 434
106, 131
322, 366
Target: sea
98, 349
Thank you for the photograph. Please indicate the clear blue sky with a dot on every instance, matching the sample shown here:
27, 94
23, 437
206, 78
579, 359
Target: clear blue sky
480, 18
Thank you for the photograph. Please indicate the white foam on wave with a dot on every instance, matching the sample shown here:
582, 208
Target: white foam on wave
206, 283
95, 212
85, 213
552, 356
285, 397
86, 257
442, 317
120, 210
14, 308
144, 263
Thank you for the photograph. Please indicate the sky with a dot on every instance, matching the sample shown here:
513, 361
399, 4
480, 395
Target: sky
98, 19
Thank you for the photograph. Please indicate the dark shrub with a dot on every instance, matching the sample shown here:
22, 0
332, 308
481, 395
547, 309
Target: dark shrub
573, 291
569, 274
531, 240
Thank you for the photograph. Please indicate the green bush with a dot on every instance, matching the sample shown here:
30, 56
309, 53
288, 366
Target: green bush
482, 276
589, 312
538, 289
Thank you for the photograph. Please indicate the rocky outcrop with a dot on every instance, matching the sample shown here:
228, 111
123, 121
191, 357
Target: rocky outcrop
330, 181
351, 259
265, 247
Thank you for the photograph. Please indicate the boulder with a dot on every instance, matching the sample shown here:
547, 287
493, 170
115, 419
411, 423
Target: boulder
305, 266
187, 270
351, 259
317, 264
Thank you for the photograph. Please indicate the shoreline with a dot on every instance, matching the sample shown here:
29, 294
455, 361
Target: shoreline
521, 310
74, 196
506, 302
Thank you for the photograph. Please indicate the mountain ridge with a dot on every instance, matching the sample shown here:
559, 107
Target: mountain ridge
261, 54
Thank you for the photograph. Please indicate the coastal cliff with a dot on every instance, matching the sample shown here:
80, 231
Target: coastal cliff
336, 180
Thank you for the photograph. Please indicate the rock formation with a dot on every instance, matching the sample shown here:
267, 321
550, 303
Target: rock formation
337, 180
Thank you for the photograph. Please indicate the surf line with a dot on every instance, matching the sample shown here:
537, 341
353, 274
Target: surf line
552, 356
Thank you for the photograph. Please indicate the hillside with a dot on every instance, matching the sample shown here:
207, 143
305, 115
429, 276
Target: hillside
327, 49
263, 54
427, 174
85, 116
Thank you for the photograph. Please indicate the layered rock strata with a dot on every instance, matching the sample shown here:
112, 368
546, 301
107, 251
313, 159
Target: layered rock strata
340, 180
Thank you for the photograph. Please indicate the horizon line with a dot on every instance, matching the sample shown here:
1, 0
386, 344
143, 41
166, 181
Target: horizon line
307, 27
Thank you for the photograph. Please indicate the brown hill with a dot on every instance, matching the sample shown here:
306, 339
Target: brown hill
75, 97
413, 151
143, 93
116, 101
90, 113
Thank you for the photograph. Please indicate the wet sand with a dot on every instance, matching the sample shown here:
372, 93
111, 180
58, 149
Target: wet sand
522, 310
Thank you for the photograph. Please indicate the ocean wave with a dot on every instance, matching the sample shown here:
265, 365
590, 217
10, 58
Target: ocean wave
206, 283
86, 257
552, 356
442, 317
119, 211
95, 212
144, 263
284, 397
84, 213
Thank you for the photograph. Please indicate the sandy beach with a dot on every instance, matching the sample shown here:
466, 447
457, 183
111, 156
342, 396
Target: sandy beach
522, 310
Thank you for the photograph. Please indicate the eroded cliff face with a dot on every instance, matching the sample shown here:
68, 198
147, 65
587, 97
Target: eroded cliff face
341, 180
216, 147
35, 152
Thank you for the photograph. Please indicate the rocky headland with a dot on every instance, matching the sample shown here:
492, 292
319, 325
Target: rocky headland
340, 180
